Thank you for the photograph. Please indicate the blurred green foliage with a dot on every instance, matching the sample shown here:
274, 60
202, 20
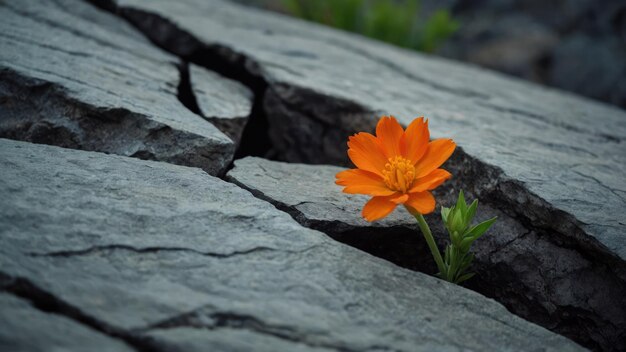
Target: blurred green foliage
392, 21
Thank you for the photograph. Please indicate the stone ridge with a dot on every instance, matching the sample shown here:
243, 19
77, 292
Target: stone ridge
168, 258
227, 104
556, 166
95, 85
576, 296
53, 332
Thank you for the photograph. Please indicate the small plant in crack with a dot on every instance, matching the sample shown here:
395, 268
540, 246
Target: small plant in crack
458, 222
402, 167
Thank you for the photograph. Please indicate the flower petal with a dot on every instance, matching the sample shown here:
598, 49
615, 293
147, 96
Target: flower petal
430, 181
389, 133
401, 199
415, 139
422, 202
378, 207
366, 153
437, 153
357, 181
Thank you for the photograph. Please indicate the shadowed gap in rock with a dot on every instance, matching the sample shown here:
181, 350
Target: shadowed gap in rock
48, 303
185, 93
255, 140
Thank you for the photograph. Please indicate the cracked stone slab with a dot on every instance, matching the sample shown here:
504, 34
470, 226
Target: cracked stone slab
535, 135
227, 104
310, 195
324, 85
25, 328
550, 158
574, 295
75, 76
169, 255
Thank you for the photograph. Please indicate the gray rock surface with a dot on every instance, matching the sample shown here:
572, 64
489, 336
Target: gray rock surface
169, 258
165, 257
324, 85
574, 294
74, 76
551, 160
227, 104
309, 194
25, 328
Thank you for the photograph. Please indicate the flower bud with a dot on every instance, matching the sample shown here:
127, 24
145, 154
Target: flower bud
456, 222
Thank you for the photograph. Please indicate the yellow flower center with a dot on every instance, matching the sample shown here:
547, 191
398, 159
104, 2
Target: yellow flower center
399, 174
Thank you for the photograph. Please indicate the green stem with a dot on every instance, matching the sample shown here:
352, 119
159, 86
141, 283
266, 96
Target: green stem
431, 242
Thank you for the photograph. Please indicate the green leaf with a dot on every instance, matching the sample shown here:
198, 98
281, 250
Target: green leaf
394, 21
464, 277
466, 243
457, 223
450, 222
460, 204
293, 6
444, 214
456, 238
451, 271
438, 28
466, 262
481, 228
346, 13
454, 254
471, 211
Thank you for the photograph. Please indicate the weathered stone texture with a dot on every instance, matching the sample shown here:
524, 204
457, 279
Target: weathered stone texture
520, 266
552, 161
168, 257
25, 328
324, 84
74, 76
227, 104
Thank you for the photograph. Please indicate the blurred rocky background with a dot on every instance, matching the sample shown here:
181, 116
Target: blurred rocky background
574, 45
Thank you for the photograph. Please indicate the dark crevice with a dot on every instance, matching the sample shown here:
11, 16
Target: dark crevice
518, 279
255, 139
107, 5
492, 187
167, 35
48, 303
185, 92
308, 127
40, 112
397, 244
206, 318
90, 250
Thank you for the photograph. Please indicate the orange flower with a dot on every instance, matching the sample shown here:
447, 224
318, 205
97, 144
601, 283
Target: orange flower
396, 167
